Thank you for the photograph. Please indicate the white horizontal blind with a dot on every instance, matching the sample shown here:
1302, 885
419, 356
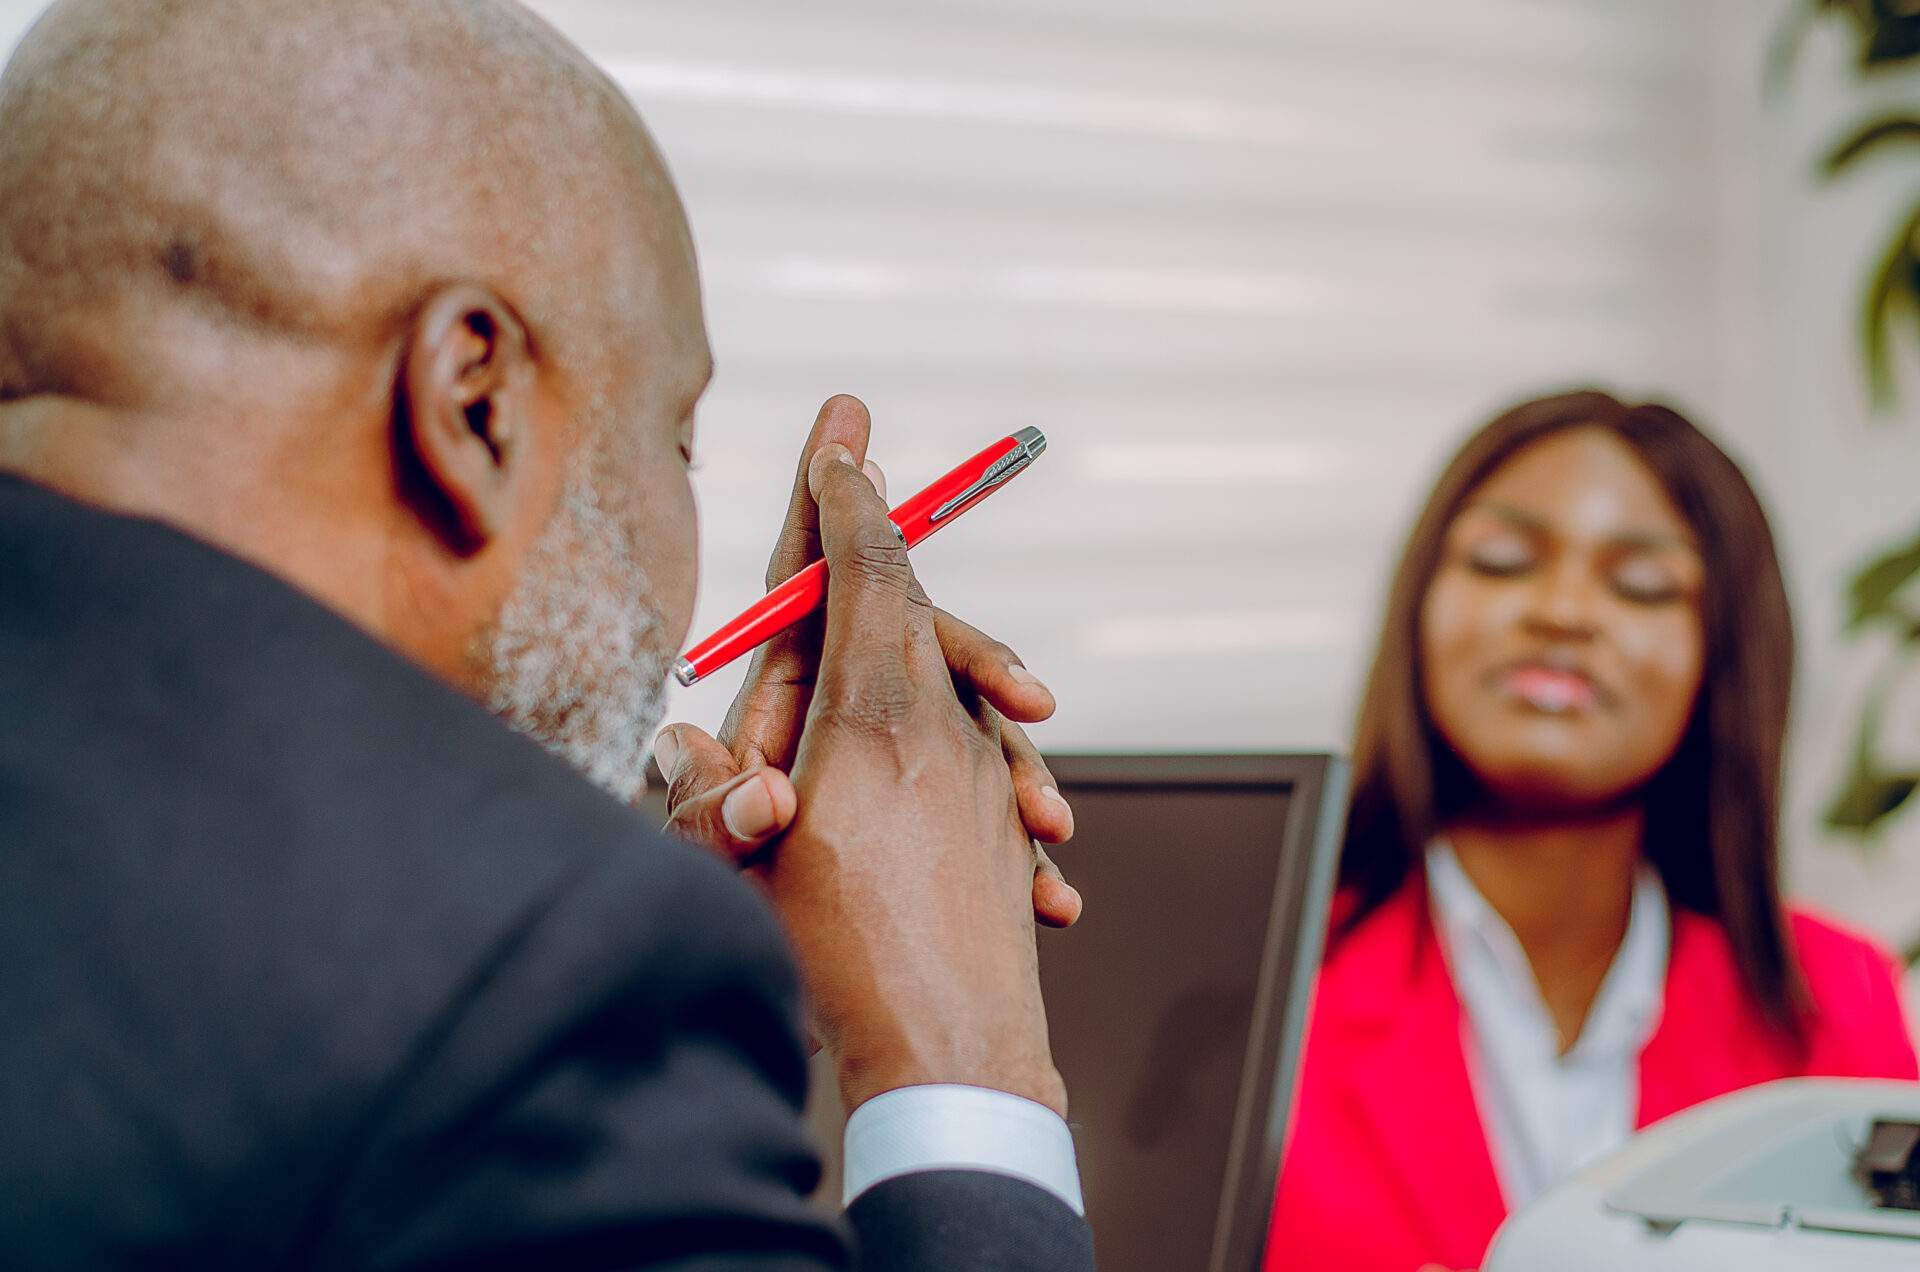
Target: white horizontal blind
1254, 267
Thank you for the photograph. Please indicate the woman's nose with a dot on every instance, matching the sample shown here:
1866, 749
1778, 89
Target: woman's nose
1563, 603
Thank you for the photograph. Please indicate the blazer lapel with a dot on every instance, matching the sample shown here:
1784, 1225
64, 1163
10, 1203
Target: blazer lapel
1408, 1078
1709, 1040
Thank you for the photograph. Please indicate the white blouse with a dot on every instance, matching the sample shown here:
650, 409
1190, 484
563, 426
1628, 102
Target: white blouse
1547, 1115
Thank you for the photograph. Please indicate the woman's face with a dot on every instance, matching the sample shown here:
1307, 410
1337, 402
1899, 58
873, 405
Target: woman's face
1560, 639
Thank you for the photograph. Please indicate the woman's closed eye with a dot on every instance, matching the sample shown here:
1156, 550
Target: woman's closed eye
1647, 580
1501, 556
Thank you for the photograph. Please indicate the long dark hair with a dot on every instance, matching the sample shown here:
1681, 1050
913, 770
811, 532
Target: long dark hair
1712, 811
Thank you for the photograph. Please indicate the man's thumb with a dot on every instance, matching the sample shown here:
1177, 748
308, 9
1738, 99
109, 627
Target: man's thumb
710, 802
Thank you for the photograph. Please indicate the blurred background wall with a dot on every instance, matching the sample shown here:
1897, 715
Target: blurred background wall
1256, 266
1252, 267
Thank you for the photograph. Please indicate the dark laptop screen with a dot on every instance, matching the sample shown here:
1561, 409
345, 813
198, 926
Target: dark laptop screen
1176, 1005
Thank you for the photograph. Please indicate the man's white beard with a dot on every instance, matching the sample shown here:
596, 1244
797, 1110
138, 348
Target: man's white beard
577, 658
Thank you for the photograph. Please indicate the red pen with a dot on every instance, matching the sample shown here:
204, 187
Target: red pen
913, 521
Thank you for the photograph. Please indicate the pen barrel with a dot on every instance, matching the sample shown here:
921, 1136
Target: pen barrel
914, 517
784, 606
913, 520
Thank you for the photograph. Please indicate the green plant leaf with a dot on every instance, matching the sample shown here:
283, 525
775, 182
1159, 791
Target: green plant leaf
1871, 794
1892, 34
1893, 288
1870, 594
1893, 128
1784, 48
1868, 797
1886, 33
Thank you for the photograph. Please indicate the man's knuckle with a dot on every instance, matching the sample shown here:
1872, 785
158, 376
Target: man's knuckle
991, 655
875, 538
918, 626
981, 746
683, 786
877, 563
877, 708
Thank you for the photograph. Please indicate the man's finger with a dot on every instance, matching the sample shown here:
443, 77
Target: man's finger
868, 576
842, 421
763, 724
1043, 809
736, 819
1055, 902
691, 763
990, 669
712, 803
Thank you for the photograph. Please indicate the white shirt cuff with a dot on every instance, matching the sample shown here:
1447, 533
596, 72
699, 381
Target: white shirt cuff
948, 1127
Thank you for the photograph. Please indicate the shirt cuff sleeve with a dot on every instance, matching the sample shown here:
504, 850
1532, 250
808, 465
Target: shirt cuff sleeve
947, 1127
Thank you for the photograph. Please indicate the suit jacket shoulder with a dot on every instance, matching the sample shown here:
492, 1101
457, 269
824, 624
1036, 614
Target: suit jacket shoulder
1713, 1039
1388, 1165
1859, 1024
307, 961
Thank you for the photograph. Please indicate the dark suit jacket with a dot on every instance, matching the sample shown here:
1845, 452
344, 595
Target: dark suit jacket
308, 962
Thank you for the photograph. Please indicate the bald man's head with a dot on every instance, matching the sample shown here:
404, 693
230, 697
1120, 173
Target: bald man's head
393, 297
313, 168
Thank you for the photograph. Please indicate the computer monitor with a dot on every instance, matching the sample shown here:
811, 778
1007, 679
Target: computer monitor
1177, 1005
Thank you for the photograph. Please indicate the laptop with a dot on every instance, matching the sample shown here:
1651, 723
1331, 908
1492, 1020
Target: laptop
1177, 1005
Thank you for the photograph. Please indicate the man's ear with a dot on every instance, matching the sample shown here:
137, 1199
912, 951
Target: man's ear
465, 409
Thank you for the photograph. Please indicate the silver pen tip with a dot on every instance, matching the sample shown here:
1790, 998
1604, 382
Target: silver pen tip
1033, 440
683, 672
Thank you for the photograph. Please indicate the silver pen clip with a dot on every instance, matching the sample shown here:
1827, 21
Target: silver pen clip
1029, 443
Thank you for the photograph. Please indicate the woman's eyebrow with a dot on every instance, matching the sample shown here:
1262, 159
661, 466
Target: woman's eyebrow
1637, 540
1652, 540
1507, 512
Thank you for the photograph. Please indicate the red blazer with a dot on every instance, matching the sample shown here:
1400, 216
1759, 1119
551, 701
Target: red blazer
1388, 1168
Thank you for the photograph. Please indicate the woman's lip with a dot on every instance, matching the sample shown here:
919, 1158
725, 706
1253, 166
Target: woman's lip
1550, 689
